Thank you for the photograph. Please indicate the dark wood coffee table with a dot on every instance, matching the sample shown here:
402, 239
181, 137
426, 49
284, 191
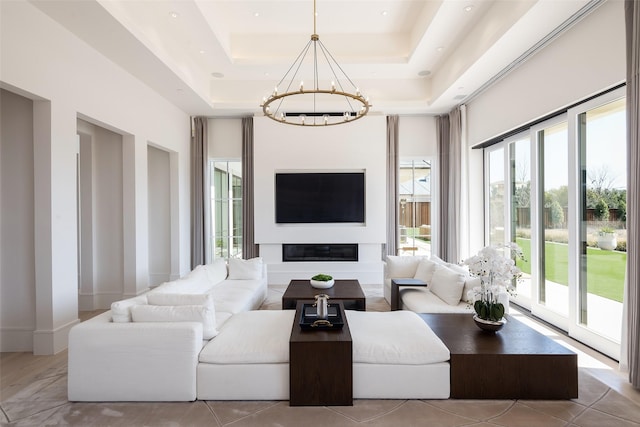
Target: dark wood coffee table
320, 364
347, 291
517, 362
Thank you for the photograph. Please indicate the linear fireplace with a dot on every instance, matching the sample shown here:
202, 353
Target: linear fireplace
296, 252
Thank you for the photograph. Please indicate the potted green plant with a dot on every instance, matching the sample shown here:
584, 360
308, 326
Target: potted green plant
607, 240
322, 281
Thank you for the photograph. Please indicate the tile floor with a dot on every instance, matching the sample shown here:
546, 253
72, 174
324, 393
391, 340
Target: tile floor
33, 393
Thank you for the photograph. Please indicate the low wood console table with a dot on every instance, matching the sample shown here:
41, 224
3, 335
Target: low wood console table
396, 304
320, 364
348, 291
517, 362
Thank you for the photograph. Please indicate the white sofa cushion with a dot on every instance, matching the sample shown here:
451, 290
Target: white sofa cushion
121, 310
251, 337
447, 285
245, 269
177, 313
402, 266
394, 338
216, 271
425, 270
422, 300
205, 300
236, 296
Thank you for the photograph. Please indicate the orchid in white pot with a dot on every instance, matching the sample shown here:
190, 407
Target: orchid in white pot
496, 272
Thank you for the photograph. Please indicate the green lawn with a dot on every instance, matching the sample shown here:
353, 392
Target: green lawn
605, 269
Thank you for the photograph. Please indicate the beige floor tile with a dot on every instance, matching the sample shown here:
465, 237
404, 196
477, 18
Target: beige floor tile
229, 411
284, 415
593, 418
522, 416
418, 413
614, 404
365, 409
564, 409
159, 414
43, 394
479, 410
590, 390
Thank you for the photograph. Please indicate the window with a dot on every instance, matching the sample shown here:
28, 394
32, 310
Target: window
566, 208
415, 207
226, 208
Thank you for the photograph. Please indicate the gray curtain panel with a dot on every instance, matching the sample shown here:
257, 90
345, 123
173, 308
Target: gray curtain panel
249, 248
392, 185
632, 297
449, 134
442, 133
200, 212
455, 185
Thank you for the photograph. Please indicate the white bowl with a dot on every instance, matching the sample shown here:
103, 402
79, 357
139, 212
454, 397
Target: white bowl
318, 284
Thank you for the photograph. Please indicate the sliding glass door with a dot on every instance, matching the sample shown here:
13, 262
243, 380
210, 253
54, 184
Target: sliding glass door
553, 233
565, 206
602, 233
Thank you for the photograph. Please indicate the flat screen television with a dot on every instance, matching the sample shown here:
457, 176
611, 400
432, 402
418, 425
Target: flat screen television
320, 197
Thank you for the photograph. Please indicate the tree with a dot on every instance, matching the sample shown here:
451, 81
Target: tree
602, 210
600, 179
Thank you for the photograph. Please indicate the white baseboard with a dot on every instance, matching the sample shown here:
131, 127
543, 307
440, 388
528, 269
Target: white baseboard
47, 342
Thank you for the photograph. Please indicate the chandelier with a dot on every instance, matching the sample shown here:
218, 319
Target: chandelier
332, 101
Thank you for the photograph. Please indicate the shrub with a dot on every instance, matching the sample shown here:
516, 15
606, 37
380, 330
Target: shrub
602, 210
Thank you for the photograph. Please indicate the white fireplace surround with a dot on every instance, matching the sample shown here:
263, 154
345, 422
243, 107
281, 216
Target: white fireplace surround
359, 146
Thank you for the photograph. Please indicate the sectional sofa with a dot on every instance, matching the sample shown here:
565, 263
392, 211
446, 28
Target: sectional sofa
449, 290
146, 348
202, 337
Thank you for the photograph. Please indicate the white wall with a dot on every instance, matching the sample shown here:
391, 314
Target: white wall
101, 212
583, 61
358, 146
160, 217
417, 137
17, 252
225, 138
68, 79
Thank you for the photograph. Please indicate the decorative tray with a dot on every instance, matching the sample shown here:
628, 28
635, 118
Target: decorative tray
309, 318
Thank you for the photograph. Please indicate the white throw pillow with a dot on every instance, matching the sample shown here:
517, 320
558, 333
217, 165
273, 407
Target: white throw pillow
216, 271
177, 313
205, 300
425, 270
463, 269
121, 310
447, 285
469, 284
245, 269
438, 260
401, 266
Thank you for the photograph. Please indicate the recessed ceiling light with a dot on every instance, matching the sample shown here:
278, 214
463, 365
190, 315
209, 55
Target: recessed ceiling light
384, 13
266, 74
440, 48
424, 73
202, 51
256, 14
468, 8
217, 75
174, 14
